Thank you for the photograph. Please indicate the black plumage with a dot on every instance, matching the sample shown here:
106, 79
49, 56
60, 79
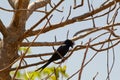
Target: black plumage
60, 53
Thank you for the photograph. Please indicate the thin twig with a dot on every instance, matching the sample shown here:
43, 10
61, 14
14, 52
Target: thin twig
95, 30
93, 21
105, 48
101, 15
22, 10
113, 61
95, 76
29, 65
76, 6
69, 13
70, 21
53, 7
108, 60
83, 62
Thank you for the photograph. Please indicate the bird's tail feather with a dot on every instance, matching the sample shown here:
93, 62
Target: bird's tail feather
43, 66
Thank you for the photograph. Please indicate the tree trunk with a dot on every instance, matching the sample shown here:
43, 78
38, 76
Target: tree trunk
8, 53
10, 43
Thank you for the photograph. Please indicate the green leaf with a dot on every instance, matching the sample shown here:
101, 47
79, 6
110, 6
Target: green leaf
23, 49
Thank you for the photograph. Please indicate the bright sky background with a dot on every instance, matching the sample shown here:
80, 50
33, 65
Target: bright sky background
74, 62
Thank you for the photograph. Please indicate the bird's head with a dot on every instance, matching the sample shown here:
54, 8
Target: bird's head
69, 43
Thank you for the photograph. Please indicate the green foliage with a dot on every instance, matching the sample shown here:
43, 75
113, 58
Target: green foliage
50, 72
23, 49
56, 72
53, 73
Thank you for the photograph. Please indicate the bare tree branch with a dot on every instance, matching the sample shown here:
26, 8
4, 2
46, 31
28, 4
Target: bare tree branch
73, 20
3, 30
37, 4
12, 3
25, 44
16, 33
83, 62
18, 18
41, 20
17, 24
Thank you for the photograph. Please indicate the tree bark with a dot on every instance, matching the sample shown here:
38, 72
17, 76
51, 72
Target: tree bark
9, 44
11, 36
8, 53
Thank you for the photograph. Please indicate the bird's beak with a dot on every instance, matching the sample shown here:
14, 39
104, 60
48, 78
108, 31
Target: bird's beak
73, 45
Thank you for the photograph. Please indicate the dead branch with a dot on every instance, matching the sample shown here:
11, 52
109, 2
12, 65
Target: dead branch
83, 62
70, 21
37, 4
34, 26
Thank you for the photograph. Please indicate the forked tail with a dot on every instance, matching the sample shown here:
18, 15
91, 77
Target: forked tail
44, 66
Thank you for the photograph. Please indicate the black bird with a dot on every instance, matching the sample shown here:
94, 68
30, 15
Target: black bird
60, 53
